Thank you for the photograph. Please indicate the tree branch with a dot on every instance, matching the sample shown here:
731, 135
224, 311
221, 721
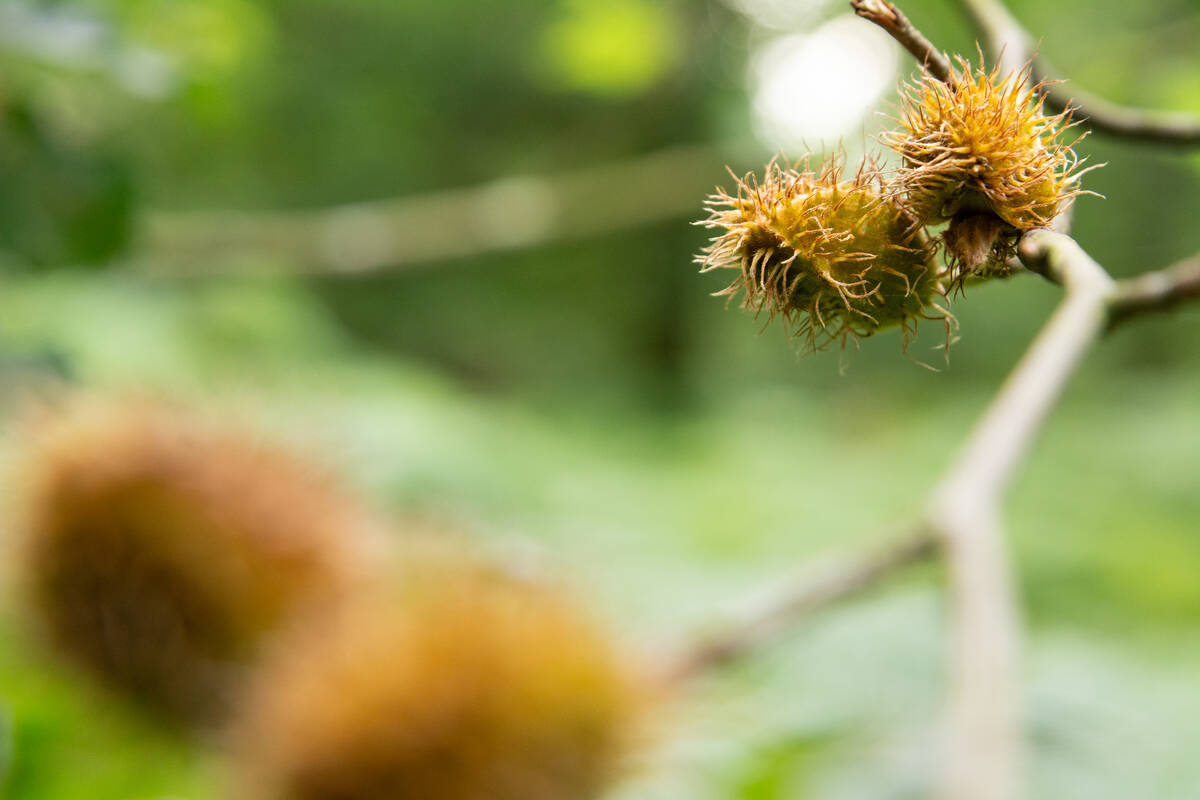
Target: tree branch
1162, 290
962, 523
892, 20
818, 590
1010, 42
998, 443
984, 762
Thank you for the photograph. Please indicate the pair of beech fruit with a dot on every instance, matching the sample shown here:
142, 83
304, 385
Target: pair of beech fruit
225, 584
840, 258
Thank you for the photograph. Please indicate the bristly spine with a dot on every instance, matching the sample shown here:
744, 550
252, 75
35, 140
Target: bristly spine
837, 258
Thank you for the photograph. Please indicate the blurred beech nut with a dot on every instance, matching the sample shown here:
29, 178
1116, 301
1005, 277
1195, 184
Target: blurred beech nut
462, 686
160, 553
835, 258
977, 145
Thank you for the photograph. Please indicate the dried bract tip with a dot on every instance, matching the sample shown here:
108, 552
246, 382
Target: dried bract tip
979, 246
467, 687
979, 144
836, 258
160, 552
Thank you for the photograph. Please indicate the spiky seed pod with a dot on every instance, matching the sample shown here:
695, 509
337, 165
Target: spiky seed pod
160, 553
463, 687
834, 257
980, 144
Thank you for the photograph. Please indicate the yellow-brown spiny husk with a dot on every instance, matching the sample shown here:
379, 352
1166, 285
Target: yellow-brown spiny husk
979, 145
834, 257
160, 552
458, 686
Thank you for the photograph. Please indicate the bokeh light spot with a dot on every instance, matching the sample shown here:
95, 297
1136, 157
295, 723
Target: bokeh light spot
615, 47
810, 88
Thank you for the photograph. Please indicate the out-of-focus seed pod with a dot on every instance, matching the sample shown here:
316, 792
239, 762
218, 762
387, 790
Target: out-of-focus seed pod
836, 258
160, 552
460, 685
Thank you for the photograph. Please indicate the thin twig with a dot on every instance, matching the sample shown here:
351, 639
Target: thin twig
1161, 290
1009, 41
985, 759
819, 589
892, 20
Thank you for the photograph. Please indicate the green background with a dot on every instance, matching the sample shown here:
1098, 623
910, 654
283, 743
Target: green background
584, 400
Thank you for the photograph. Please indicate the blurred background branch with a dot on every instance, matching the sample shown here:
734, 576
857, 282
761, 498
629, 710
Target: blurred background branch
1008, 41
822, 586
1161, 290
509, 213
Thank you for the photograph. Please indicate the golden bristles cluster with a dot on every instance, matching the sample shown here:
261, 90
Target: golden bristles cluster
467, 687
834, 257
843, 258
160, 553
977, 146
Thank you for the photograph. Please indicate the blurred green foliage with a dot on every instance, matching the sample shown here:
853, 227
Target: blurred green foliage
587, 398
588, 48
61, 205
